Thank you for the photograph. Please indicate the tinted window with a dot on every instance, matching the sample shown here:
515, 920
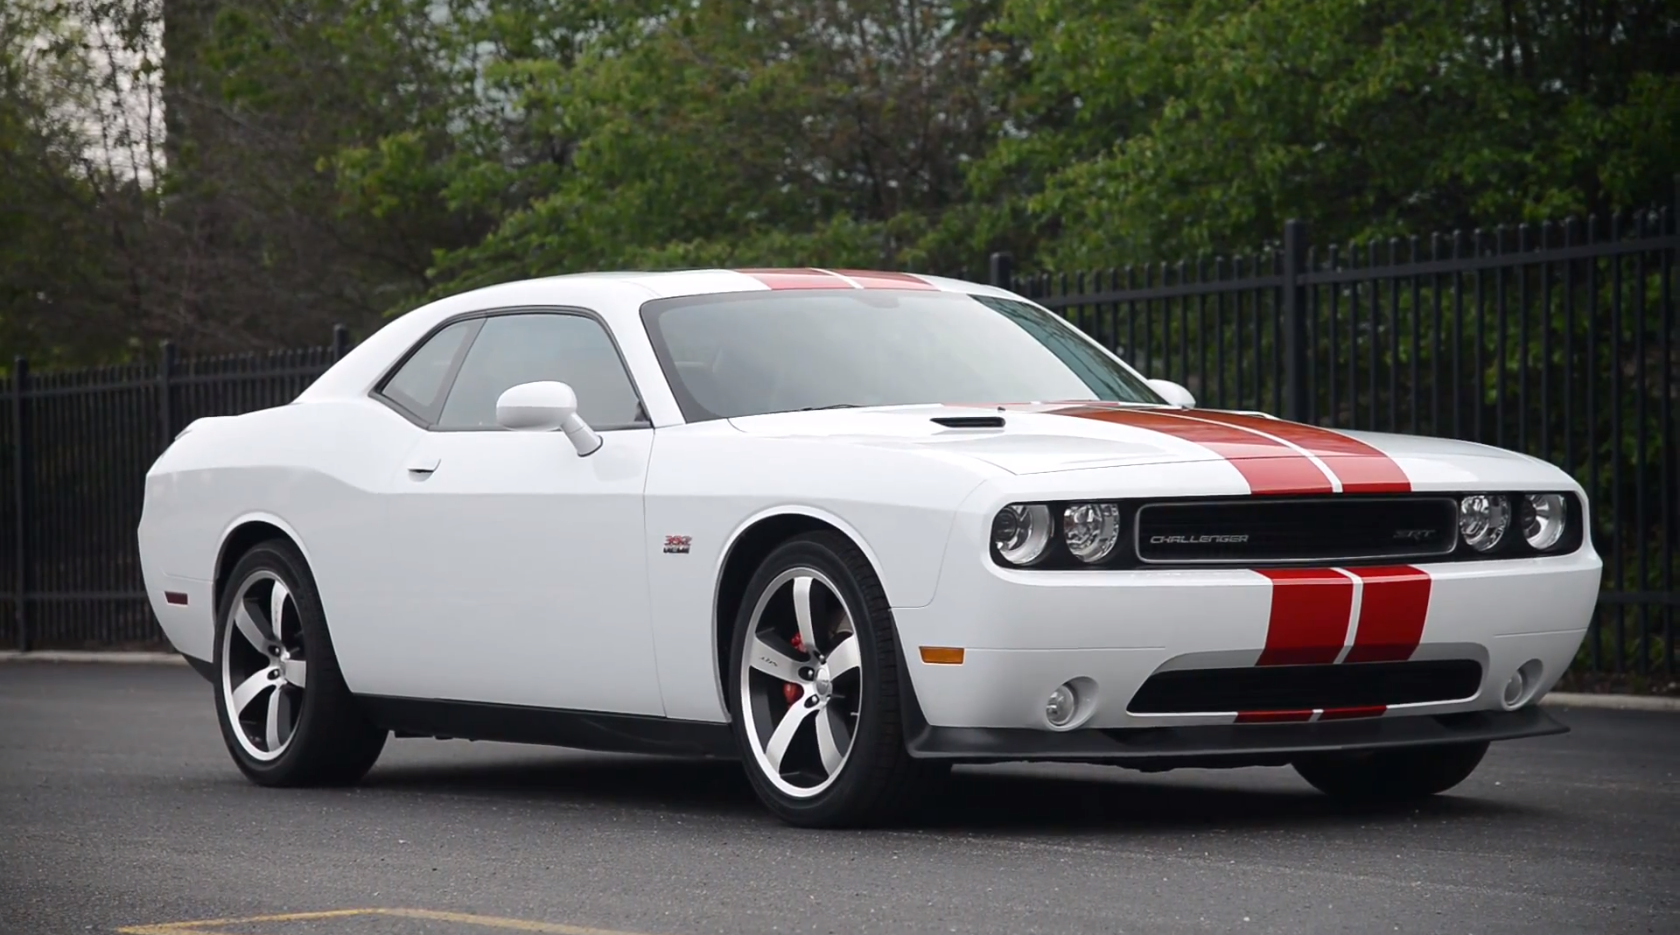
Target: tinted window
515, 349
418, 384
749, 353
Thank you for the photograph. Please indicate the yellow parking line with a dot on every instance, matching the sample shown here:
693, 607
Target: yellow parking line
205, 926
519, 925
199, 926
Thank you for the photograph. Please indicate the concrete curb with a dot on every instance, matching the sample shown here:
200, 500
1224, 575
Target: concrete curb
71, 655
1666, 703
1555, 699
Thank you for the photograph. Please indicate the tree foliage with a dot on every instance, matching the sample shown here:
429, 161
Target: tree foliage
335, 160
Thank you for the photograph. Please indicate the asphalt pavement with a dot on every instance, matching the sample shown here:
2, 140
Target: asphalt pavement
121, 810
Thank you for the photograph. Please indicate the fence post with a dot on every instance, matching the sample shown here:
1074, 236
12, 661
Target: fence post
20, 499
166, 395
1296, 397
1001, 272
340, 342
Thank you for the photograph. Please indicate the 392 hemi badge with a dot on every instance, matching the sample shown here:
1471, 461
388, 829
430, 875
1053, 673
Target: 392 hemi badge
677, 545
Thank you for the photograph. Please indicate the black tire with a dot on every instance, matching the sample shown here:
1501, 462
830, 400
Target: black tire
1392, 775
879, 782
333, 742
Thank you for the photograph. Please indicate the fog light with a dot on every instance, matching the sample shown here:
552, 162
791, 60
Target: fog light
1514, 689
1525, 685
1061, 706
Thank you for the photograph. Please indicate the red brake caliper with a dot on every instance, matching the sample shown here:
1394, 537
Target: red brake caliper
790, 690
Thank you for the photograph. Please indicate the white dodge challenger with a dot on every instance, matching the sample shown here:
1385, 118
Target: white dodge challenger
849, 528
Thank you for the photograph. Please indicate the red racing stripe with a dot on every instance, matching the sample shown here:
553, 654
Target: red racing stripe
1272, 717
1270, 467
873, 280
1360, 468
1309, 620
1391, 614
1343, 714
796, 278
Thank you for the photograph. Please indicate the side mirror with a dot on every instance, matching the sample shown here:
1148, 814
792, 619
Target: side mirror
546, 406
1173, 393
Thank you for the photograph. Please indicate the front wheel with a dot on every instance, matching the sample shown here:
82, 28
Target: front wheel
814, 702
1392, 775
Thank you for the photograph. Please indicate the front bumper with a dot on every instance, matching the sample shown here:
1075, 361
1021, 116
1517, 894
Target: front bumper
1024, 633
1225, 745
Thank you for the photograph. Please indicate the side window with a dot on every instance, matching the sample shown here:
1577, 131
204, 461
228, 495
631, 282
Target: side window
515, 349
418, 384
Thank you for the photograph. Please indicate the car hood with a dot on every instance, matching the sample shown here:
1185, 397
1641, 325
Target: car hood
1047, 437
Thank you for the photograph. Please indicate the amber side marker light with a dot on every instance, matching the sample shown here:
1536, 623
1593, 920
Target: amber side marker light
942, 655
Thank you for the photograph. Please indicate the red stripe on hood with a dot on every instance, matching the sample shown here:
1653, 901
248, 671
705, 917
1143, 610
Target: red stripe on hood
1360, 468
1391, 613
796, 278
1269, 466
1311, 609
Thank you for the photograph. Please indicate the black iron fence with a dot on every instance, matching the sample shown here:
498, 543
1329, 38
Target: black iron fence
76, 446
1556, 340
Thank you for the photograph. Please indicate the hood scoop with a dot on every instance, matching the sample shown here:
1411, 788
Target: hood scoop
970, 422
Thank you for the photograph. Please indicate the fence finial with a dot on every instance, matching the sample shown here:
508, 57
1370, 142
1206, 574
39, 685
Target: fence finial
1001, 270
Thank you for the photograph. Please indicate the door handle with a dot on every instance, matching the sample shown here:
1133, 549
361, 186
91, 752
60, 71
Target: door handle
423, 467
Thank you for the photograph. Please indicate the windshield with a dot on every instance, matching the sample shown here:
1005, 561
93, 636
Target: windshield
744, 354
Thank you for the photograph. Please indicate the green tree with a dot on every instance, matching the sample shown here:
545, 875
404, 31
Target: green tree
77, 176
1180, 126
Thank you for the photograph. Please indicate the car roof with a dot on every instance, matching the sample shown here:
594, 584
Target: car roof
617, 296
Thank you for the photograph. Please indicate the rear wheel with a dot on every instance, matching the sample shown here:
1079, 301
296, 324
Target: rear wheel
1392, 775
814, 689
286, 716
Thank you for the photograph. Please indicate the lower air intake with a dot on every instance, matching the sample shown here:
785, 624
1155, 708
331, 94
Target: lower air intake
1283, 688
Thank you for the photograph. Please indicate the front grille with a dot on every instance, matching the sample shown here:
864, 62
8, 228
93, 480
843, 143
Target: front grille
1297, 530
1300, 688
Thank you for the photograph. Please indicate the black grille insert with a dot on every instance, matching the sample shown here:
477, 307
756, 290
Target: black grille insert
1250, 531
1299, 688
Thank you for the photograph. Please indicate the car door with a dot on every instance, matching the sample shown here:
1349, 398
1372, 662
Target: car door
513, 569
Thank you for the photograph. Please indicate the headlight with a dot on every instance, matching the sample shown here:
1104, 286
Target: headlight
1091, 529
1021, 532
1544, 517
1483, 519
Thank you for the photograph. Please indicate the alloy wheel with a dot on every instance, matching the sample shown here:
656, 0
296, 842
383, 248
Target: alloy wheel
264, 670
801, 682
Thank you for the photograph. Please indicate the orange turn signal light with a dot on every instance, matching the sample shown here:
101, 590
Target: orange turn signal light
942, 655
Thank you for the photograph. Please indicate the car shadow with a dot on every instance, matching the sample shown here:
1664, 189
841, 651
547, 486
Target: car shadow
975, 800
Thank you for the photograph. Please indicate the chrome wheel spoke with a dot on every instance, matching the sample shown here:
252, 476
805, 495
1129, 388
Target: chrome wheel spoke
273, 733
802, 612
844, 658
294, 671
776, 749
833, 739
248, 627
277, 609
773, 661
248, 690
